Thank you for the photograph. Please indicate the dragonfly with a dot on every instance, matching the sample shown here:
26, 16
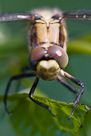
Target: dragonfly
47, 45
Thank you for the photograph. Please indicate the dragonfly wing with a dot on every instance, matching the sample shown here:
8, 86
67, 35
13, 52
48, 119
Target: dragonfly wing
14, 16
78, 14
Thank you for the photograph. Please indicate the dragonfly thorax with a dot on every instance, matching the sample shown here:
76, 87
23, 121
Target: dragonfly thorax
48, 28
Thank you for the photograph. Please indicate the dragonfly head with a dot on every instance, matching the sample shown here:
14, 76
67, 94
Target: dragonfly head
48, 61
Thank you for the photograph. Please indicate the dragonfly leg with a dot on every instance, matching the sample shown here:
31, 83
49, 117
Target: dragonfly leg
37, 102
16, 77
65, 74
23, 70
69, 86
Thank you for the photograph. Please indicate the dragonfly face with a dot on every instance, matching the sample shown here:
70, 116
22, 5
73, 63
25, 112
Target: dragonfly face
47, 39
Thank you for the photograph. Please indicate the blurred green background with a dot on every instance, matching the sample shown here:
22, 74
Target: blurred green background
13, 55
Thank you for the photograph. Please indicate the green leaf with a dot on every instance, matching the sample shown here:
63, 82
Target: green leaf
82, 45
31, 119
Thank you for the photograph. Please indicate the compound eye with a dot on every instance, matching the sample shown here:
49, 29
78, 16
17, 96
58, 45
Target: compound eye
35, 55
59, 55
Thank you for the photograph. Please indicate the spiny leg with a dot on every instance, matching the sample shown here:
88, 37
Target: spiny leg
9, 83
69, 86
37, 102
65, 74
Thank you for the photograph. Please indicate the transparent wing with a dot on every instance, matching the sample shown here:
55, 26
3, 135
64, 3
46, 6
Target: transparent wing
78, 14
14, 16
